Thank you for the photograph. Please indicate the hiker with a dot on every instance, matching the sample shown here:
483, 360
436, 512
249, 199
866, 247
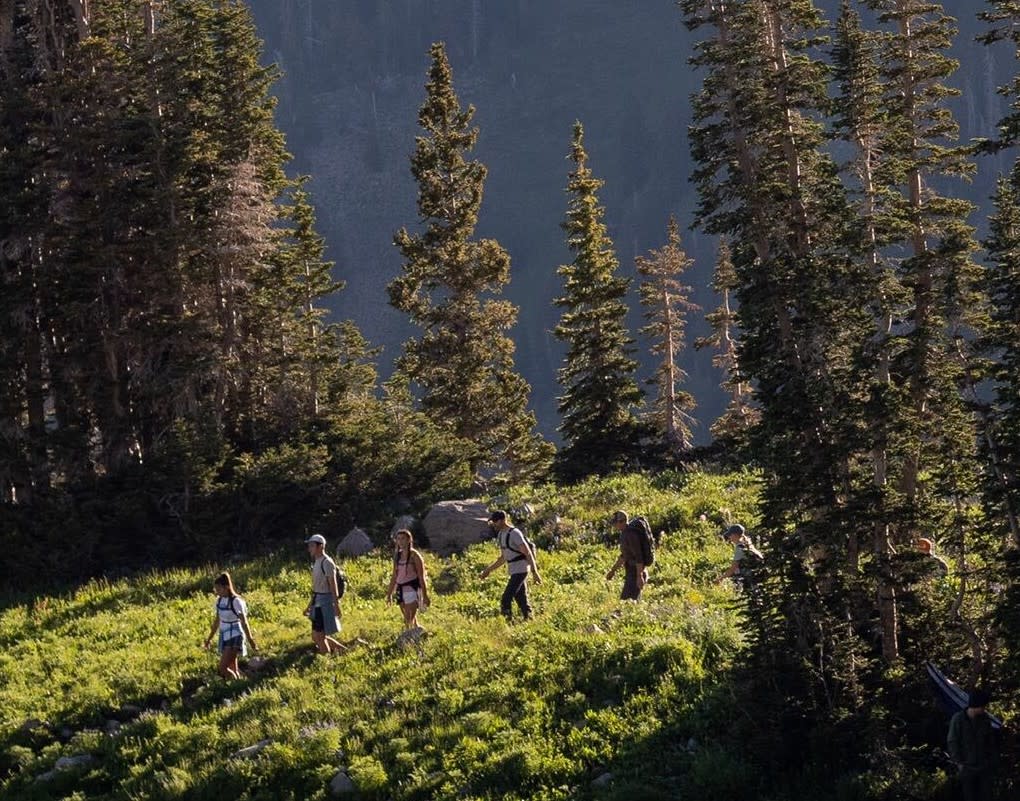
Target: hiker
519, 559
744, 554
231, 621
972, 746
324, 608
935, 564
634, 555
408, 580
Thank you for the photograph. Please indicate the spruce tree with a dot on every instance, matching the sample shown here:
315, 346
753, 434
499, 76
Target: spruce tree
731, 429
462, 364
599, 424
931, 300
666, 302
768, 185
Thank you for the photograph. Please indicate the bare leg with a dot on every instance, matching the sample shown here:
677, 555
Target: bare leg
409, 611
228, 668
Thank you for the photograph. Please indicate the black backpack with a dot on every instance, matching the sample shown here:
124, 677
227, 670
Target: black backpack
752, 566
530, 545
341, 579
640, 525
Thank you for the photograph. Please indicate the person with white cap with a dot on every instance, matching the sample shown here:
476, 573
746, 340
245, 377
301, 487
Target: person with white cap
324, 608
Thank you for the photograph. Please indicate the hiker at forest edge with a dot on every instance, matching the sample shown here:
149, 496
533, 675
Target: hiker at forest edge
408, 580
972, 746
743, 552
516, 554
632, 556
324, 608
231, 621
937, 565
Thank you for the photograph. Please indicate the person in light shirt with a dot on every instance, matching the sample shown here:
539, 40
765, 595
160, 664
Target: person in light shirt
324, 608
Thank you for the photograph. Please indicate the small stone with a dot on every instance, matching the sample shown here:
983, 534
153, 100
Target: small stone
251, 750
342, 784
594, 628
257, 663
112, 726
692, 745
65, 733
602, 780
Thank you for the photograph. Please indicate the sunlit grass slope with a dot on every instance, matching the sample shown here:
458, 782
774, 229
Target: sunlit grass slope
592, 699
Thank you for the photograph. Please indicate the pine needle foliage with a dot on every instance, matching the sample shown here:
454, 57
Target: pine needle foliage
733, 427
667, 304
598, 408
462, 364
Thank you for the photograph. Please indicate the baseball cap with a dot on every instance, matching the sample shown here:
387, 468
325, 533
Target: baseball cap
736, 528
977, 698
317, 538
498, 515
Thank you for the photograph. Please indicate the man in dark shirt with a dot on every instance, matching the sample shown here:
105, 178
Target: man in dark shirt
973, 747
631, 557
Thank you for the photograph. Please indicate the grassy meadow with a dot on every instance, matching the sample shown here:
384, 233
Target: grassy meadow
594, 698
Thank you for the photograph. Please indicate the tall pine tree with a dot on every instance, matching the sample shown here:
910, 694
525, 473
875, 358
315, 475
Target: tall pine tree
600, 428
732, 428
462, 364
666, 301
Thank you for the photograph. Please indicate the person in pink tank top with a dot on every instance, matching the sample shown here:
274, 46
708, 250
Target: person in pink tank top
408, 584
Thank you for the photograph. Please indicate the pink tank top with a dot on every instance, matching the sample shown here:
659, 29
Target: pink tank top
406, 572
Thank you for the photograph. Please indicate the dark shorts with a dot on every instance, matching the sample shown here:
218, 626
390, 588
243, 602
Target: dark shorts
237, 643
318, 621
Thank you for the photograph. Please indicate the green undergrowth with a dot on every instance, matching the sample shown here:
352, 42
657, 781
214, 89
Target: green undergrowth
594, 698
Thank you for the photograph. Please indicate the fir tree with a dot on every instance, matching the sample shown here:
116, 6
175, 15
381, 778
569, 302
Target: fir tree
462, 364
667, 304
740, 416
931, 297
600, 429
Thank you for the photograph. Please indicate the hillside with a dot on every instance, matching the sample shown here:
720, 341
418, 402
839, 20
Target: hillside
631, 693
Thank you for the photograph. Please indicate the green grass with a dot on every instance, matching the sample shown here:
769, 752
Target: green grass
481, 711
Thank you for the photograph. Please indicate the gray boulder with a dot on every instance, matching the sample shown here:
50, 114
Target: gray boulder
356, 543
453, 525
342, 784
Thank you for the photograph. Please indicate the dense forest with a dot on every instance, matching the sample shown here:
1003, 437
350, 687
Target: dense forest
173, 385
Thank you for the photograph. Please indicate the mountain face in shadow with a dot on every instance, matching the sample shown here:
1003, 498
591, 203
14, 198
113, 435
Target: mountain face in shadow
353, 76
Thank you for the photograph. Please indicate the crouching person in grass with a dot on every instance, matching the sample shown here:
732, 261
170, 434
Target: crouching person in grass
408, 581
231, 620
519, 559
324, 608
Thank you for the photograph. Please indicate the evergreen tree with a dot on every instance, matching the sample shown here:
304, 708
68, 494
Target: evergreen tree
931, 300
667, 304
1001, 422
1001, 348
462, 364
600, 429
767, 184
740, 416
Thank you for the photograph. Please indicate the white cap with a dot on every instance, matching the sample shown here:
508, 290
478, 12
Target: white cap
317, 538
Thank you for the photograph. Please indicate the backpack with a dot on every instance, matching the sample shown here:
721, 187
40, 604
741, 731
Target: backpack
529, 543
752, 566
341, 579
644, 531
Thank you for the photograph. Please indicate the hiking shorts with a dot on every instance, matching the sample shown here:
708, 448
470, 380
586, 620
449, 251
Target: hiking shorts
323, 619
406, 594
